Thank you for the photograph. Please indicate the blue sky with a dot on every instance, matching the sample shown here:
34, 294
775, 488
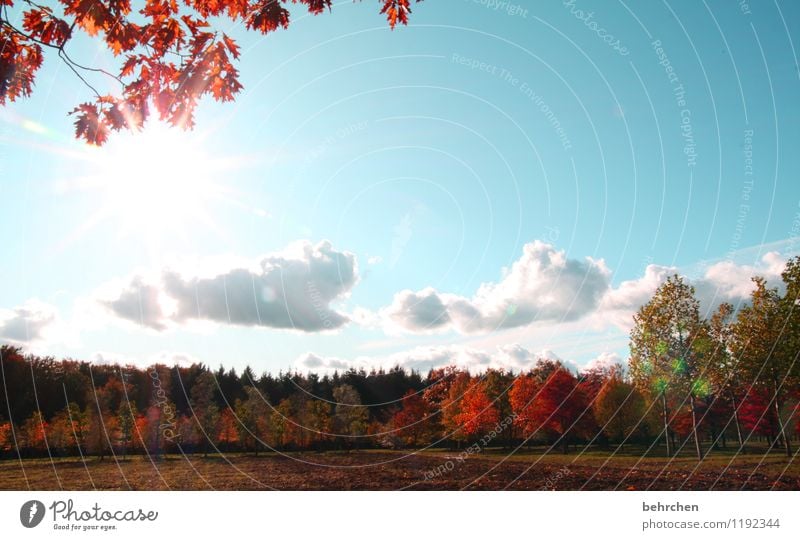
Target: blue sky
494, 182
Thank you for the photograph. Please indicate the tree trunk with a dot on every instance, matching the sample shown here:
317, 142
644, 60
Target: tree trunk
697, 446
738, 425
666, 422
781, 432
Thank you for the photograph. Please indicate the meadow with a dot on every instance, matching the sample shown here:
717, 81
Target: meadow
492, 469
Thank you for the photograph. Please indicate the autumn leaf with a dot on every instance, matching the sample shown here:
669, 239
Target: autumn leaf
46, 28
232, 46
268, 15
89, 125
172, 56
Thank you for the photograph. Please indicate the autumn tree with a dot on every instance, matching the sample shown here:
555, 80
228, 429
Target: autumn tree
477, 415
126, 424
763, 341
664, 350
169, 55
282, 429
412, 423
185, 433
67, 429
154, 430
789, 365
723, 369
317, 420
252, 417
350, 417
101, 421
437, 396
32, 433
451, 407
619, 408
227, 429
497, 384
521, 396
561, 407
757, 414
6, 437
205, 410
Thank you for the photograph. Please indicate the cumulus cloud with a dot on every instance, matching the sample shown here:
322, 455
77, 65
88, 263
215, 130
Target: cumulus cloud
140, 302
722, 281
727, 281
604, 361
619, 304
293, 289
543, 285
28, 323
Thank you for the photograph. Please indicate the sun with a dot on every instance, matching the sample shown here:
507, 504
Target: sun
156, 183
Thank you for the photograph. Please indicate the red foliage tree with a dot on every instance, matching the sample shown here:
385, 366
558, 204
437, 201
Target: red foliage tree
6, 440
413, 422
478, 414
227, 433
170, 56
757, 415
521, 396
562, 408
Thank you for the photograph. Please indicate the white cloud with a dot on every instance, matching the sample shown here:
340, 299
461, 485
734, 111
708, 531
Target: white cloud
543, 285
315, 363
619, 304
722, 281
510, 357
293, 289
546, 287
726, 281
604, 360
31, 322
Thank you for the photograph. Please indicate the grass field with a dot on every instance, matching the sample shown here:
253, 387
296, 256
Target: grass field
390, 470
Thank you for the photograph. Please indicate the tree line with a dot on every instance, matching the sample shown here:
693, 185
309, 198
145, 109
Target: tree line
691, 384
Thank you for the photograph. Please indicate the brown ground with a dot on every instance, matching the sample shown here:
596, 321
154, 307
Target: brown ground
373, 470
